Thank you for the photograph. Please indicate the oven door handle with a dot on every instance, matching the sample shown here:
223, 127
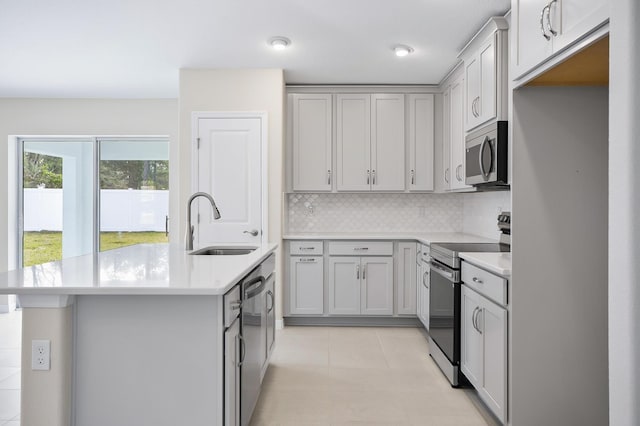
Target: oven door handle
441, 270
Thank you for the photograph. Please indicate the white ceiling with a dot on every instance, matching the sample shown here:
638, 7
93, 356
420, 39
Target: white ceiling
134, 48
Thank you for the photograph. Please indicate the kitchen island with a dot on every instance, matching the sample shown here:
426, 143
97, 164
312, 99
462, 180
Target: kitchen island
136, 335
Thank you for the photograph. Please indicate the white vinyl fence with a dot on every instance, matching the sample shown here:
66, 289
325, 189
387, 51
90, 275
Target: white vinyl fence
121, 210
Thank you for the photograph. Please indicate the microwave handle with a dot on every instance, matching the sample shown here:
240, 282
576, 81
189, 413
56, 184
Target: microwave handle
485, 174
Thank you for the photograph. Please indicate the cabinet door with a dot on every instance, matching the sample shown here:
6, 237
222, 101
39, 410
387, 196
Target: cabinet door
472, 92
457, 135
344, 285
232, 375
471, 349
387, 143
445, 177
271, 316
576, 19
486, 105
353, 142
377, 286
492, 321
421, 117
406, 279
530, 47
312, 114
424, 285
306, 285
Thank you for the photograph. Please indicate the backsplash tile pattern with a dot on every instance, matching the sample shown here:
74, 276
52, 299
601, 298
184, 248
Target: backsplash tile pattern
480, 212
374, 213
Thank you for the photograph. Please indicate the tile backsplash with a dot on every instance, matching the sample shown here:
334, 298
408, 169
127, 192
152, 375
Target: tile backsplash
374, 213
480, 211
473, 213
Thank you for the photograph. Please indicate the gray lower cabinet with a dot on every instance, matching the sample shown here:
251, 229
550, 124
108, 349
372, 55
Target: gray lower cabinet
484, 349
306, 285
361, 285
406, 279
232, 374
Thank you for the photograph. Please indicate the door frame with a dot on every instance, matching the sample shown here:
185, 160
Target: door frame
264, 145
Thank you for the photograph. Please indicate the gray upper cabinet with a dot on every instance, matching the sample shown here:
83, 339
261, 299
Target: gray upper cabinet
353, 142
312, 136
542, 28
370, 142
387, 142
485, 63
420, 142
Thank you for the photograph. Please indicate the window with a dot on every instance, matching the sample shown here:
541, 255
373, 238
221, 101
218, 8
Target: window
83, 195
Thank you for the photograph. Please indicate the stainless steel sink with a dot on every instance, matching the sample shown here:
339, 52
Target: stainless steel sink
223, 251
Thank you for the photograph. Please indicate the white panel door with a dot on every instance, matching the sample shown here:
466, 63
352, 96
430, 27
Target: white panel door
471, 350
229, 168
344, 285
377, 286
306, 285
312, 169
577, 18
387, 142
492, 321
531, 47
353, 142
421, 117
406, 279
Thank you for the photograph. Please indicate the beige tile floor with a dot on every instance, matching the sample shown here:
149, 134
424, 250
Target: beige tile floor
359, 376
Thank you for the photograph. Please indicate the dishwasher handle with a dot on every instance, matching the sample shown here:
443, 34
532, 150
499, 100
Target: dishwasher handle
254, 287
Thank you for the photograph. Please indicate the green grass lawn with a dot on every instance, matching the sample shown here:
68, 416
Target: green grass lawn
42, 247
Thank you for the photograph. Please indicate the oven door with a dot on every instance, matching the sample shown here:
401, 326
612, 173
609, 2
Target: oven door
444, 310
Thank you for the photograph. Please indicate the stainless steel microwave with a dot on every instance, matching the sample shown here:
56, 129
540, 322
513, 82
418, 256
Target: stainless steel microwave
486, 158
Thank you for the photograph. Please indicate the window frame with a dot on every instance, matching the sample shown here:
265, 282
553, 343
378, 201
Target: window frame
95, 141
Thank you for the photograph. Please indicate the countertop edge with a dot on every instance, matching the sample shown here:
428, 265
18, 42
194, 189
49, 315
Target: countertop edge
57, 291
424, 237
487, 264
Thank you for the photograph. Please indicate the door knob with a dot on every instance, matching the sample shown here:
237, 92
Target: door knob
253, 232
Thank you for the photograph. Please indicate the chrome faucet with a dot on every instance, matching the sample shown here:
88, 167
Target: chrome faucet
190, 228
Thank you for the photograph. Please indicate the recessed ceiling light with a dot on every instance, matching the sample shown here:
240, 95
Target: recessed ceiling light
402, 50
279, 43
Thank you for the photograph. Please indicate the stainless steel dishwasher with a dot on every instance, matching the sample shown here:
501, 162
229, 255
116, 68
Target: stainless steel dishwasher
253, 329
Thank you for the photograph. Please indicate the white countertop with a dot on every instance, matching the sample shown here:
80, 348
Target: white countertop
498, 263
142, 269
425, 237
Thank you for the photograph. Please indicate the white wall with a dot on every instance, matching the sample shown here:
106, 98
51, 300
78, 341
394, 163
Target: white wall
256, 90
77, 117
624, 211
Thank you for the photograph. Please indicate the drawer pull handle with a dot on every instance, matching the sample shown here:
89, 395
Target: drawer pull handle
306, 248
307, 260
361, 248
477, 280
236, 305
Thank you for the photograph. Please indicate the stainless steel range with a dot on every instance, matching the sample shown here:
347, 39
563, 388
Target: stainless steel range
444, 300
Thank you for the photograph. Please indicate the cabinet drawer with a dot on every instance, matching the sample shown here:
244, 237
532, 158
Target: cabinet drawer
361, 248
231, 305
491, 286
305, 247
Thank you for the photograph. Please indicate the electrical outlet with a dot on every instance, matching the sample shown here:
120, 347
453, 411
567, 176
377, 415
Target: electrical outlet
41, 354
